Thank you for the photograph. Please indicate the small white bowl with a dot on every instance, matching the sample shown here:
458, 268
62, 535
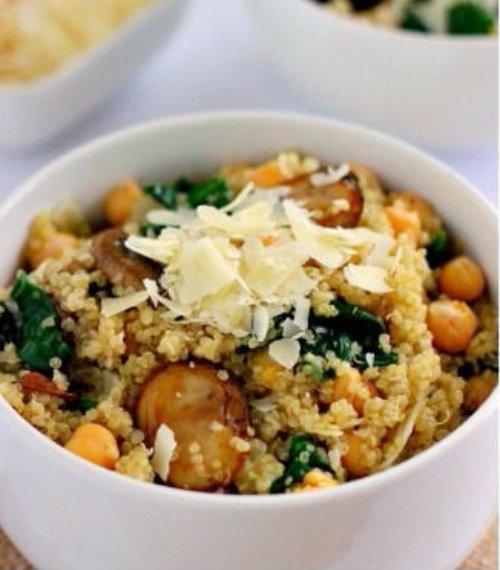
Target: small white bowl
440, 91
35, 113
67, 514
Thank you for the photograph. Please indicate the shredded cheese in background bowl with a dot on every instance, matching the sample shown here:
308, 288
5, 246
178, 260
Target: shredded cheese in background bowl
37, 37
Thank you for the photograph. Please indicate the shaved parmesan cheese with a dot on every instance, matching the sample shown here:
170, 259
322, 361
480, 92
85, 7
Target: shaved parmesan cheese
113, 306
240, 198
322, 244
301, 317
164, 448
203, 271
156, 249
285, 351
170, 218
152, 290
331, 176
368, 278
260, 322
254, 220
264, 405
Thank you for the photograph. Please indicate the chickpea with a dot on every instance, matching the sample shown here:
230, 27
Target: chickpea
314, 480
462, 279
452, 324
267, 175
120, 202
354, 459
96, 444
416, 204
46, 242
404, 221
350, 387
477, 389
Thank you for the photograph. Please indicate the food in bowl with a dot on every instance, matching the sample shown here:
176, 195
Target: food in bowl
456, 17
40, 36
282, 327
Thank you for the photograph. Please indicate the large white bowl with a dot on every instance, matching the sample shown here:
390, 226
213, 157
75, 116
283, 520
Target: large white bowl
35, 113
440, 91
66, 514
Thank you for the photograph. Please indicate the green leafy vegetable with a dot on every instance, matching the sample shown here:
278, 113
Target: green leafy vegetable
150, 230
412, 22
10, 323
213, 192
165, 194
439, 249
469, 18
84, 404
303, 455
352, 335
40, 339
487, 362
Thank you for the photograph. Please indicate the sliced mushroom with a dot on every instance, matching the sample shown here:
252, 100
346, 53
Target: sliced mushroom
209, 418
324, 201
119, 265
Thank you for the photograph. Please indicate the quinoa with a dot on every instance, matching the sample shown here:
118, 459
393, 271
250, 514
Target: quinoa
395, 411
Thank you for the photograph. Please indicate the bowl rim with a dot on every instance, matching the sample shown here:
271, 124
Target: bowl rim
86, 58
121, 483
357, 26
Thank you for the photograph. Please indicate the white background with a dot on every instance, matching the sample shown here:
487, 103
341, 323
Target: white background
215, 61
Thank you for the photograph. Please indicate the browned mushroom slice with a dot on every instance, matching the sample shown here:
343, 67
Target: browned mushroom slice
209, 418
119, 265
324, 201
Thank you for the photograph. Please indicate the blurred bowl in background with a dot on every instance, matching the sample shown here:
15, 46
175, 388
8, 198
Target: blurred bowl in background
439, 91
34, 113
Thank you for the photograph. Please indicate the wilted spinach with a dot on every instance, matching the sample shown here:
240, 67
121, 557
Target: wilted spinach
438, 250
470, 18
351, 335
40, 339
10, 323
303, 455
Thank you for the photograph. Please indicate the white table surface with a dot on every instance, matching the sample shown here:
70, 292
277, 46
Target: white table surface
215, 61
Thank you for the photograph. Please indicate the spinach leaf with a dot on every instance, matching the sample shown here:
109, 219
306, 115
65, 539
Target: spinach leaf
41, 338
148, 229
487, 362
10, 323
412, 22
438, 250
213, 192
165, 194
303, 455
351, 335
470, 18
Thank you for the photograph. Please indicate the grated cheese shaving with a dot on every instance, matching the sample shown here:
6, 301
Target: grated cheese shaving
368, 278
285, 351
113, 306
164, 448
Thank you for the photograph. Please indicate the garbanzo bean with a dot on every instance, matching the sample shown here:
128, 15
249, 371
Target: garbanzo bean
452, 324
404, 221
462, 279
96, 444
350, 387
354, 459
120, 202
46, 242
477, 389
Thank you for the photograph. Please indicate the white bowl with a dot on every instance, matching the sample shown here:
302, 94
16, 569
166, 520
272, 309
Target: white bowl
66, 514
35, 113
440, 91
